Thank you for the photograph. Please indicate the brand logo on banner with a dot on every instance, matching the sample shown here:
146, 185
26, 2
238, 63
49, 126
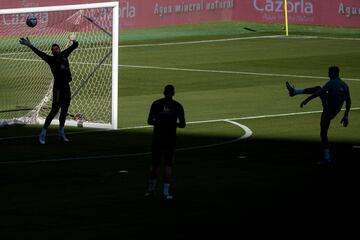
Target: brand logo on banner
348, 10
300, 11
299, 6
192, 7
126, 10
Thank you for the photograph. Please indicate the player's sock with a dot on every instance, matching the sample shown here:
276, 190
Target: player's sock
151, 188
166, 189
298, 91
62, 134
326, 154
152, 185
42, 136
326, 157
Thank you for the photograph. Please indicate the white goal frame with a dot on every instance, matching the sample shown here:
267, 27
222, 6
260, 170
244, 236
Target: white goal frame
115, 50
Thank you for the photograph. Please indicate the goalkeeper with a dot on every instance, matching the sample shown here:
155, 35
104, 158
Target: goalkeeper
60, 68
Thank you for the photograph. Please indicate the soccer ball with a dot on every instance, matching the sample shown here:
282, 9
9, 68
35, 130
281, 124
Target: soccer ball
31, 21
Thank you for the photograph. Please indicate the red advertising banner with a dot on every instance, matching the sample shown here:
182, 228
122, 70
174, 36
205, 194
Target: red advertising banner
340, 13
155, 13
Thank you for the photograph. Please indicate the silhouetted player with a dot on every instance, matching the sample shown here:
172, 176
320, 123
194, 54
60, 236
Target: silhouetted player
60, 68
332, 95
166, 115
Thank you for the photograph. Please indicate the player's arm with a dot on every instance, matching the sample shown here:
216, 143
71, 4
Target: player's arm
26, 42
152, 118
182, 122
345, 119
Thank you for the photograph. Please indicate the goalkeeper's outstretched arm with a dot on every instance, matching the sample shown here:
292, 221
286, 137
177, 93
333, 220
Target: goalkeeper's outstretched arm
69, 50
26, 42
73, 46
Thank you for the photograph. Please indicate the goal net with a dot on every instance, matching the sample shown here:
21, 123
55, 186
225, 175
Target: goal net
26, 80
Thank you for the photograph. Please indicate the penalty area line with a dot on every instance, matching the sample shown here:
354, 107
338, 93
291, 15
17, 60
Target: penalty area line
232, 72
247, 134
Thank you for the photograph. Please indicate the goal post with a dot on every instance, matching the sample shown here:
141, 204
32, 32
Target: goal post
26, 81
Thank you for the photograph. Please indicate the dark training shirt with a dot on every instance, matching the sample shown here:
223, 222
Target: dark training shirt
166, 115
59, 65
337, 91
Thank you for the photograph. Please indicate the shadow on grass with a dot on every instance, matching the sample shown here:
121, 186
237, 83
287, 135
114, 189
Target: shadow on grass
262, 187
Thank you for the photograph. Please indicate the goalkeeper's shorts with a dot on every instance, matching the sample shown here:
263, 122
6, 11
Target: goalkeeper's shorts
62, 97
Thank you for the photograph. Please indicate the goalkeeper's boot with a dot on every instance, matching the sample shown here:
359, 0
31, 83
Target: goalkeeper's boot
62, 135
42, 136
168, 197
291, 89
149, 194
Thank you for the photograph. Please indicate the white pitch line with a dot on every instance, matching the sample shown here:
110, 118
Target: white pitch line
335, 38
246, 135
194, 70
238, 118
199, 41
235, 39
233, 72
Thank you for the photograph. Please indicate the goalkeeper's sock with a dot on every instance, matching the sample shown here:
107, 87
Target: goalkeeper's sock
62, 135
42, 136
166, 189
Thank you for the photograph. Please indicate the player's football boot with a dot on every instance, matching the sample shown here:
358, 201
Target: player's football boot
291, 89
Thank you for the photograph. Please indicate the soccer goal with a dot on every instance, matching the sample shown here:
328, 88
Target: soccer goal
26, 80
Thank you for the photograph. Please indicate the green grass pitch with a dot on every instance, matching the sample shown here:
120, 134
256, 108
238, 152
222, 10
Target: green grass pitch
265, 185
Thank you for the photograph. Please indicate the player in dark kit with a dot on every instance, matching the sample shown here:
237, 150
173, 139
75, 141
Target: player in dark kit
166, 115
333, 95
60, 68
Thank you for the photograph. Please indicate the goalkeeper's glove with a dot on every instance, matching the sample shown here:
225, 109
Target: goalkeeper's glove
26, 42
72, 37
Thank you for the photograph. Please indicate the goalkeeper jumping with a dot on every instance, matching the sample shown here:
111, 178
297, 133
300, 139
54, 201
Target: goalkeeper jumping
60, 68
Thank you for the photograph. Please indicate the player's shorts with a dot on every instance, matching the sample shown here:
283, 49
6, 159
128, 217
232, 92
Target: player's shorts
163, 152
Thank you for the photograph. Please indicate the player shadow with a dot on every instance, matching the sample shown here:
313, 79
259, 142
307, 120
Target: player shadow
220, 191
